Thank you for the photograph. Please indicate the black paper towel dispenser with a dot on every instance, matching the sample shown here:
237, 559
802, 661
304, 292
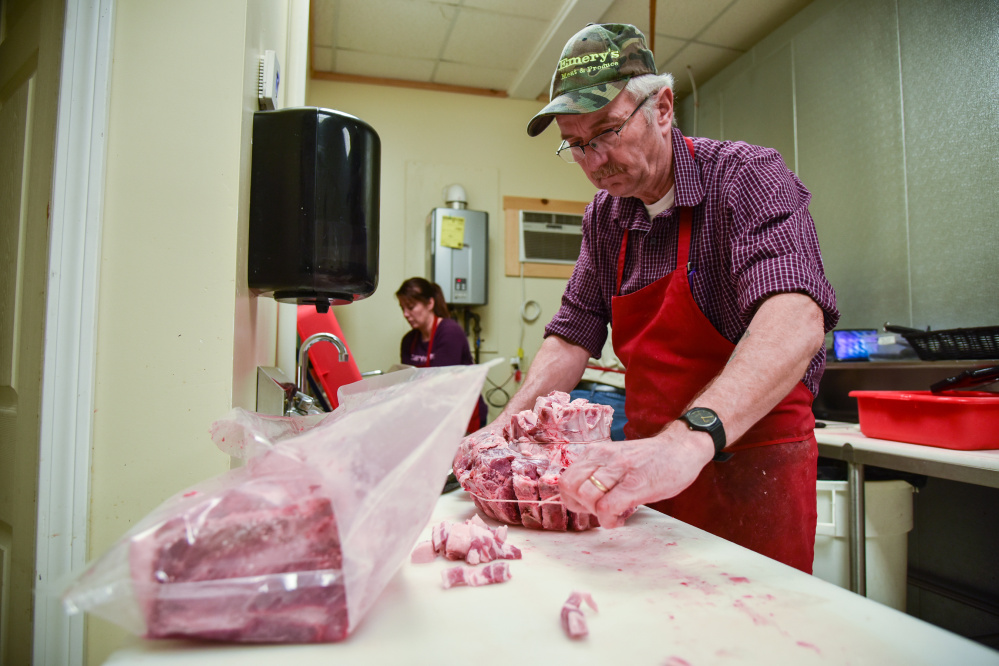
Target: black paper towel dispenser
314, 193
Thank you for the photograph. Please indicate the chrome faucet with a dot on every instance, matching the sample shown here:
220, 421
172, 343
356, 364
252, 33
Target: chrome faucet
303, 403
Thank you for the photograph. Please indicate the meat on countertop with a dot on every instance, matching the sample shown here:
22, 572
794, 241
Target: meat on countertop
494, 572
573, 621
513, 475
472, 541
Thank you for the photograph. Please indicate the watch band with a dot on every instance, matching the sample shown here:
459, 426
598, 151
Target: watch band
702, 419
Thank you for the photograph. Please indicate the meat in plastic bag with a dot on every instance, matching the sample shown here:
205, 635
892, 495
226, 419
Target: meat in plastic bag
296, 545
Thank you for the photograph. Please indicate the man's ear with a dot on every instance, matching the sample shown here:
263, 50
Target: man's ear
664, 108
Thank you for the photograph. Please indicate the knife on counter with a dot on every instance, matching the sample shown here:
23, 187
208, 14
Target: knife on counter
967, 379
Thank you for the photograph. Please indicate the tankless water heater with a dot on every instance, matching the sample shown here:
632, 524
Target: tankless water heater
457, 254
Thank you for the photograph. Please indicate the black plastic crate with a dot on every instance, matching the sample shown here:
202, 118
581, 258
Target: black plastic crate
955, 344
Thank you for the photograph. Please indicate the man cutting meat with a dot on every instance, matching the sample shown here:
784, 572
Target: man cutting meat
704, 259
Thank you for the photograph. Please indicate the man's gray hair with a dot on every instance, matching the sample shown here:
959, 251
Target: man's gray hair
640, 87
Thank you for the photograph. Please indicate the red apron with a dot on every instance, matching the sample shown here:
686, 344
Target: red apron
473, 423
763, 498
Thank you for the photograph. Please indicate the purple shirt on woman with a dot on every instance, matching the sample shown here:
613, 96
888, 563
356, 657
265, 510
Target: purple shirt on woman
752, 237
450, 346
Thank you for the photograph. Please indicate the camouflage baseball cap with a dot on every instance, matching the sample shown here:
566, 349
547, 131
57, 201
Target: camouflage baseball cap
595, 66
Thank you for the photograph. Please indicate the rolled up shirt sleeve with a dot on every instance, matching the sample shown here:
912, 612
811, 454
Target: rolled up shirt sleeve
775, 248
582, 317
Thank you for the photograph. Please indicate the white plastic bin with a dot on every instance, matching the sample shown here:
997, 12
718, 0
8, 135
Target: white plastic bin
888, 505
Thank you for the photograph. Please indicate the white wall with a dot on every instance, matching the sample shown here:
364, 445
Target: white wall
430, 140
179, 336
886, 109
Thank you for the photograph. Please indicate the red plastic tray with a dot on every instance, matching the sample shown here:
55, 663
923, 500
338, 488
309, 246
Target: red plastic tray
966, 420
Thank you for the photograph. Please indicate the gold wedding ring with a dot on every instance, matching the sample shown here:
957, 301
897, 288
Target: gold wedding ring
601, 487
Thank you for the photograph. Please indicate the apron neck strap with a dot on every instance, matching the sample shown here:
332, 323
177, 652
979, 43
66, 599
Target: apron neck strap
686, 217
683, 242
620, 261
430, 343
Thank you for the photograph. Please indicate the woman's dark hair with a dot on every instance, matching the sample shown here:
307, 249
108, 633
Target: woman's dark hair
419, 289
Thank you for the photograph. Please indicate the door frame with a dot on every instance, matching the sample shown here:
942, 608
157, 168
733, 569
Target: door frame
68, 374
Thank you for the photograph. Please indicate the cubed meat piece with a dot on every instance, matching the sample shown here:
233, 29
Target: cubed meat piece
580, 522
439, 534
493, 480
560, 419
553, 514
423, 552
573, 621
458, 541
522, 425
525, 487
472, 541
495, 572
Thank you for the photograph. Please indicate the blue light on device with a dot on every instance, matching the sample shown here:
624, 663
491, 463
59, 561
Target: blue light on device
855, 344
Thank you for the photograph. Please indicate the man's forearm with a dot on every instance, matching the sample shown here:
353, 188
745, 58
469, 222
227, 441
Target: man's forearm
557, 366
773, 354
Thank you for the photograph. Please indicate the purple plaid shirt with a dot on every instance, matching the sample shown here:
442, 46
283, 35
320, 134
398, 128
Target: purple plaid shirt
752, 237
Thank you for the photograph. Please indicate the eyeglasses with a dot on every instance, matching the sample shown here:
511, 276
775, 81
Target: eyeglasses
602, 142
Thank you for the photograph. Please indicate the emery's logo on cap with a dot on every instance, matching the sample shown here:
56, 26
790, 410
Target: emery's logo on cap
576, 61
586, 78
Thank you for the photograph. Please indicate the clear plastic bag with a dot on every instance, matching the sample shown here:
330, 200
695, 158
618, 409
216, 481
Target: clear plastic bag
296, 545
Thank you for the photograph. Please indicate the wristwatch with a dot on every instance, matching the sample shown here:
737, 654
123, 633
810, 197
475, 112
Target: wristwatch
703, 419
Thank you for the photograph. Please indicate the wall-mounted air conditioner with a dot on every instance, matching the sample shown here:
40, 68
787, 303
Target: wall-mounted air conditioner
550, 238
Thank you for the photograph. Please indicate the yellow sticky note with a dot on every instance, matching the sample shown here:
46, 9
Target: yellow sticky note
452, 232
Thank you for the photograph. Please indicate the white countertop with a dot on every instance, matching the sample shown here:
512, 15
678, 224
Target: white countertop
980, 466
669, 594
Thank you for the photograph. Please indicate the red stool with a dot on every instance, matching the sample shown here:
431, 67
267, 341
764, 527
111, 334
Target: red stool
324, 363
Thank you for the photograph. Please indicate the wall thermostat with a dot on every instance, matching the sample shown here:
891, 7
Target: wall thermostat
268, 81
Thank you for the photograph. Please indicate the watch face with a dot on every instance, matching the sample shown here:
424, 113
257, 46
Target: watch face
701, 417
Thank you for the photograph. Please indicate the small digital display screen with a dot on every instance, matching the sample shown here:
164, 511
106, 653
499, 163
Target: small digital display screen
855, 344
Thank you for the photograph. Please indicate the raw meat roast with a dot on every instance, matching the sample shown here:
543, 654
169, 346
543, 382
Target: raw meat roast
521, 466
260, 562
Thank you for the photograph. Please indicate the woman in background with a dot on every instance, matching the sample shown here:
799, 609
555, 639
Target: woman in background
436, 339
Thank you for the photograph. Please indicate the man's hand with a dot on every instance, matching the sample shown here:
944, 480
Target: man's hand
634, 472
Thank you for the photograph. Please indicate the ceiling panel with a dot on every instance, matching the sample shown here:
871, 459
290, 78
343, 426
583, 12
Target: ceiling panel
322, 58
684, 20
666, 48
748, 21
705, 61
394, 27
384, 66
323, 19
687, 20
482, 38
512, 45
635, 12
475, 76
545, 10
